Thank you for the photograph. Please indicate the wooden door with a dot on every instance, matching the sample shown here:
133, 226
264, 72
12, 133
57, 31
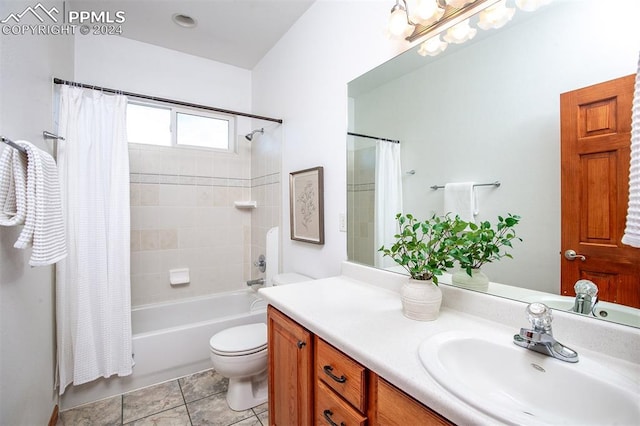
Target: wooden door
595, 155
290, 371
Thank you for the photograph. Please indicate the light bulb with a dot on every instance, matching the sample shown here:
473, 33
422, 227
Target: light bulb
458, 4
432, 47
496, 16
426, 12
398, 21
460, 33
531, 5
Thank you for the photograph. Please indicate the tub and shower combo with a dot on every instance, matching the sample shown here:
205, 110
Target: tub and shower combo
170, 340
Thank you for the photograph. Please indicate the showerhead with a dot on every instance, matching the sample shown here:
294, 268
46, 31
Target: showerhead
249, 136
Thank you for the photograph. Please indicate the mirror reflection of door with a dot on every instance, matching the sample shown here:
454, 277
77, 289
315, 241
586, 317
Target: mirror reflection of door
595, 155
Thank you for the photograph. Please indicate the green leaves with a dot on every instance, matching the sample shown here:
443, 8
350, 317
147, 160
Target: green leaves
428, 248
423, 247
483, 243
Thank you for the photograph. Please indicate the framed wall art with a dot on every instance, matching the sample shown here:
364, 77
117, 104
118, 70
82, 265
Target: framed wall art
306, 201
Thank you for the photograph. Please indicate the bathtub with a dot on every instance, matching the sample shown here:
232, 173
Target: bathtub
171, 340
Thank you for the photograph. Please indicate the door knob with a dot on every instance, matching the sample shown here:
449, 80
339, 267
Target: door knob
572, 255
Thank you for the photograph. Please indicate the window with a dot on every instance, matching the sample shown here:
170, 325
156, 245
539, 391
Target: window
196, 130
149, 124
161, 125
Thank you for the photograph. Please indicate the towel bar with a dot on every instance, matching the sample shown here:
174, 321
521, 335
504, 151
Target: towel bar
13, 144
45, 134
496, 184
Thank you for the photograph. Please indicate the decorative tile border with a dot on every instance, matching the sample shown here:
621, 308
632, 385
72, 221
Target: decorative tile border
151, 178
188, 180
361, 187
269, 179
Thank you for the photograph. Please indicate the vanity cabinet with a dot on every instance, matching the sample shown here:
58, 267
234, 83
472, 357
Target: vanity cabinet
341, 387
290, 357
311, 382
390, 406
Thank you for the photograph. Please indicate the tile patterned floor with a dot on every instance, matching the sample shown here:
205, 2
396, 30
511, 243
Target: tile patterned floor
194, 400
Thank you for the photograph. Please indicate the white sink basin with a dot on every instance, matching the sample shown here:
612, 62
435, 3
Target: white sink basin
518, 386
605, 310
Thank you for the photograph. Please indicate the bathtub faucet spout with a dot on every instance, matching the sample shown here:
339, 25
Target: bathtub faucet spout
259, 281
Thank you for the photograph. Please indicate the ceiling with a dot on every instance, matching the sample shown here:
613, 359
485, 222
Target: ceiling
235, 32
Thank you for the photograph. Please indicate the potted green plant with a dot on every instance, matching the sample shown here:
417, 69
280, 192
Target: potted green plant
423, 249
480, 244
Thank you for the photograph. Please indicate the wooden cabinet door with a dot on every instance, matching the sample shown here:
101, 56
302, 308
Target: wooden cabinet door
595, 156
390, 406
290, 371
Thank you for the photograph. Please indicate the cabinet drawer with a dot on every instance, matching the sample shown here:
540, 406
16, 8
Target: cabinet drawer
392, 407
331, 410
341, 373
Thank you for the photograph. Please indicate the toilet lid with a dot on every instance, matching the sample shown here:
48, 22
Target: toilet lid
240, 340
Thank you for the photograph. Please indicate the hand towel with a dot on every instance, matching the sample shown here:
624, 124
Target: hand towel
460, 200
632, 230
44, 224
13, 184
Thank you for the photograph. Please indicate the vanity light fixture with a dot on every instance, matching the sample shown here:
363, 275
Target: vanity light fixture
399, 23
496, 16
531, 5
432, 46
458, 4
184, 21
427, 19
426, 12
460, 33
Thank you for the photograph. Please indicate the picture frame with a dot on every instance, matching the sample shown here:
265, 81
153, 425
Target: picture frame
306, 205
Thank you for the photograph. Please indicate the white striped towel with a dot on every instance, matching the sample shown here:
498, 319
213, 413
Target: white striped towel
632, 231
13, 183
44, 223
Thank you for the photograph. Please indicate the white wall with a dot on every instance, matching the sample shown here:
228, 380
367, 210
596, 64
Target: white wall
133, 66
492, 112
27, 319
303, 80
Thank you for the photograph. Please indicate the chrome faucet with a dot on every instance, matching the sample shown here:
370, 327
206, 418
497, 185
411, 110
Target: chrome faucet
258, 281
540, 338
586, 297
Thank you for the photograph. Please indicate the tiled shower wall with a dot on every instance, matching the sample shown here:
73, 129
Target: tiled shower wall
266, 190
360, 202
183, 216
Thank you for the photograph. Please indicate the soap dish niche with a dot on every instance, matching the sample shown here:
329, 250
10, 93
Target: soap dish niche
245, 204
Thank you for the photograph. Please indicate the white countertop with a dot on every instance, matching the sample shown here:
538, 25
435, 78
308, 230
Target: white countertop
360, 314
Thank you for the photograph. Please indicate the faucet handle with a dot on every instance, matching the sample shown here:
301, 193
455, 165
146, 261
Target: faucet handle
585, 287
539, 316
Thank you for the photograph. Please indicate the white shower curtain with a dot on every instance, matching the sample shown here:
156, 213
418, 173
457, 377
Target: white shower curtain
632, 231
388, 198
93, 303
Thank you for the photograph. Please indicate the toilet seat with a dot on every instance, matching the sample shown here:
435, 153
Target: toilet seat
240, 340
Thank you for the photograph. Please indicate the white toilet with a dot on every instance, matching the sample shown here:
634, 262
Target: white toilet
240, 354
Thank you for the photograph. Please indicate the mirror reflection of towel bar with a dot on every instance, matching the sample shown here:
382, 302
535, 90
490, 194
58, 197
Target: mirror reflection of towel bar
496, 184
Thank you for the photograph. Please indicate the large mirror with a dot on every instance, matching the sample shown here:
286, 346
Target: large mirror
484, 111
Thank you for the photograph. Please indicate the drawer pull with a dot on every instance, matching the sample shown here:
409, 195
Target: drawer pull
327, 416
301, 344
328, 371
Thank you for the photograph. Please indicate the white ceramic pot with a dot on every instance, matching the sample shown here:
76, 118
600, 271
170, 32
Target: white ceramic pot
477, 281
421, 300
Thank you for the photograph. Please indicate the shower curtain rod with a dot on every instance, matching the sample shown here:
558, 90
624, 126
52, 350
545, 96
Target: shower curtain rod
373, 137
165, 100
